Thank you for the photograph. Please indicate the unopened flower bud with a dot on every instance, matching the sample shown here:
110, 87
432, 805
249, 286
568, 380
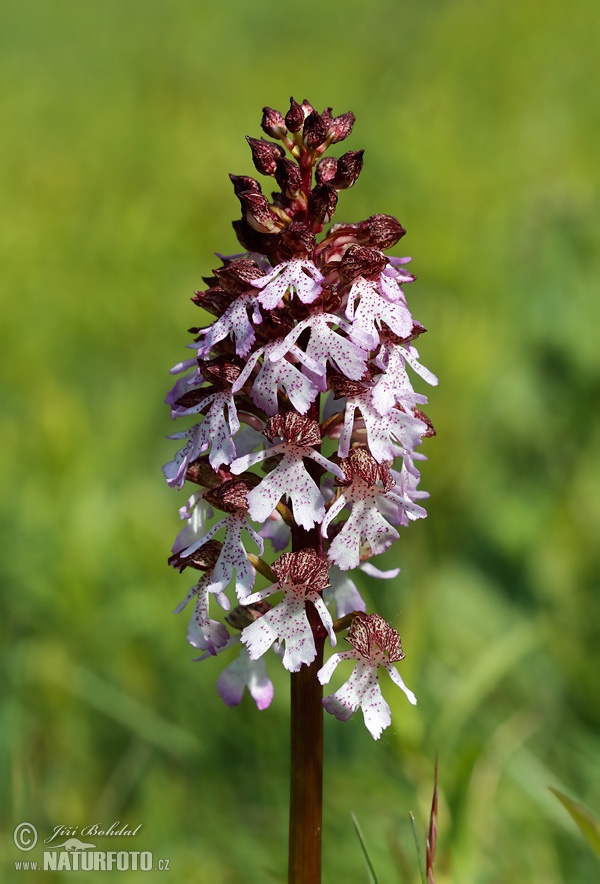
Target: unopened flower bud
380, 231
322, 203
265, 154
213, 300
288, 177
236, 278
327, 116
222, 371
295, 241
203, 559
243, 615
243, 183
326, 169
349, 167
361, 261
230, 496
340, 127
315, 130
258, 212
294, 118
250, 239
273, 123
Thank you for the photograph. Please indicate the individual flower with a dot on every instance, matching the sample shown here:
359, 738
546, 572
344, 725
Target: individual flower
231, 497
388, 436
275, 375
324, 345
373, 309
235, 322
290, 477
298, 276
375, 645
364, 483
302, 576
393, 386
204, 633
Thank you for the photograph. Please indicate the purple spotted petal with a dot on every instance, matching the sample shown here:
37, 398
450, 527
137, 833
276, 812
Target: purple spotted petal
324, 345
373, 309
388, 436
298, 276
215, 432
281, 375
235, 323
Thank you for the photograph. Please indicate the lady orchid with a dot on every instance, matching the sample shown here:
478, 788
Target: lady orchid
305, 430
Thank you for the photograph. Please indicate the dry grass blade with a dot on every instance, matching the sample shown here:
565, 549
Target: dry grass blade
432, 833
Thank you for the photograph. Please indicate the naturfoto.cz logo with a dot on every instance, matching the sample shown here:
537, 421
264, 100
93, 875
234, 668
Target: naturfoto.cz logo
74, 855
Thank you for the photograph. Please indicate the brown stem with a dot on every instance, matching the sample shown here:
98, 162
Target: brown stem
306, 774
306, 745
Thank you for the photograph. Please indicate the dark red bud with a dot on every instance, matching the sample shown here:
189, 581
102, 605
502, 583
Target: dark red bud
204, 559
327, 117
315, 130
243, 615
380, 231
275, 325
236, 278
265, 154
273, 123
325, 170
341, 127
294, 117
222, 371
322, 203
250, 239
288, 177
243, 183
295, 241
349, 166
229, 497
200, 472
342, 386
258, 212
361, 261
214, 301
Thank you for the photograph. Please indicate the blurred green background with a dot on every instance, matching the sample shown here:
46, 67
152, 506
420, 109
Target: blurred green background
480, 121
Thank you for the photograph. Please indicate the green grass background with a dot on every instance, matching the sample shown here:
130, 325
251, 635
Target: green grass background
480, 121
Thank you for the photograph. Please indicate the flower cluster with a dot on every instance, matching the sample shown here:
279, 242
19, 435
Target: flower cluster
304, 422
